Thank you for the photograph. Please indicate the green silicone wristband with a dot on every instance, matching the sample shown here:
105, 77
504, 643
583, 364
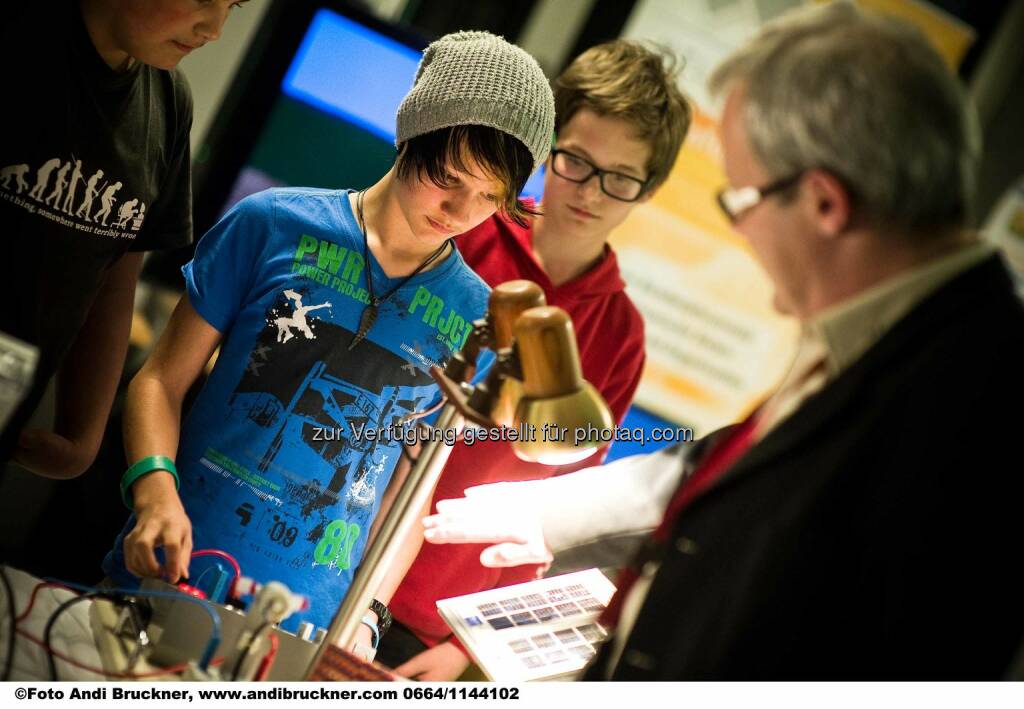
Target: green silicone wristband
147, 465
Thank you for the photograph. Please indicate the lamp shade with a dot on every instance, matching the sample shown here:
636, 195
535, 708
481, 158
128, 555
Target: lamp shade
569, 417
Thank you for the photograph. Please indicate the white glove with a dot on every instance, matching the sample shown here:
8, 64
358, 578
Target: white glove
506, 515
525, 521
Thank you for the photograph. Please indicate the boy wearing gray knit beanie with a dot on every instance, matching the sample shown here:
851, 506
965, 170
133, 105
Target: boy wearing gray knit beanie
329, 307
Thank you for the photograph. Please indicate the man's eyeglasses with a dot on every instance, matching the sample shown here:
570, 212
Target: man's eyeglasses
614, 184
735, 201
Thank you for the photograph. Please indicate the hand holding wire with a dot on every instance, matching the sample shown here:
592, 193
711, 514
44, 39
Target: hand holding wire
160, 522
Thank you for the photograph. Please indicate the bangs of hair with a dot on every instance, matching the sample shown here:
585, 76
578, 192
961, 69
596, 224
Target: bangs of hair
625, 79
503, 158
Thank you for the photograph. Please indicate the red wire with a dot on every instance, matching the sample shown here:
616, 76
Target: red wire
268, 659
226, 557
32, 598
174, 669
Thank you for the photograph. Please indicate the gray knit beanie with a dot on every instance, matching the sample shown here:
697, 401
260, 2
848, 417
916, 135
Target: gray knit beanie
476, 78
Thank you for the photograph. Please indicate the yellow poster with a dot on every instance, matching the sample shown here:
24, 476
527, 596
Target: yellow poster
951, 37
715, 345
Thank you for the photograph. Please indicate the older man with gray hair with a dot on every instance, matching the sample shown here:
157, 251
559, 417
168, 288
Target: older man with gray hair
863, 522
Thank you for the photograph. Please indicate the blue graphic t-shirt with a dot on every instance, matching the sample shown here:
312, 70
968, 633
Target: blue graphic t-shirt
273, 467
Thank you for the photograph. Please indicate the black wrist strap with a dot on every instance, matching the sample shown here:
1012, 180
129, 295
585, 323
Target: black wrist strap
383, 616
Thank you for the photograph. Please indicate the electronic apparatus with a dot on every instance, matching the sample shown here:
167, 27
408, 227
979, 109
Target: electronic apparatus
165, 626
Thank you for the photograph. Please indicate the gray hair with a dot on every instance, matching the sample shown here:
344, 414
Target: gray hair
866, 98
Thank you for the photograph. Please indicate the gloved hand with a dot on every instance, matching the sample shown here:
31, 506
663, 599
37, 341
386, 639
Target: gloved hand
506, 515
525, 521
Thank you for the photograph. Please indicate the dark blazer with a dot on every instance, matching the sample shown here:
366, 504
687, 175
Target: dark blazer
877, 533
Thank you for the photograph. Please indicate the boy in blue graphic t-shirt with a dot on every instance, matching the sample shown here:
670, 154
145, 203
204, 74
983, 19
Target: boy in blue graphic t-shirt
329, 308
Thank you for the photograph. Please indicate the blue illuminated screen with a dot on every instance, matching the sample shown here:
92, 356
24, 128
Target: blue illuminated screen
333, 124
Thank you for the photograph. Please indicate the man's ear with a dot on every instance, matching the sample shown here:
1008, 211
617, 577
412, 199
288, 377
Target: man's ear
827, 202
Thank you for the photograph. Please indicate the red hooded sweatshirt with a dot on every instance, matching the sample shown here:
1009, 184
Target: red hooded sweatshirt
610, 335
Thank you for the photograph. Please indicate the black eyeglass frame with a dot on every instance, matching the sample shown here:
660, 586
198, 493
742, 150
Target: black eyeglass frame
595, 170
752, 196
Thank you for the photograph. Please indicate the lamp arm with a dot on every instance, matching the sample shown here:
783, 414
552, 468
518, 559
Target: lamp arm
397, 524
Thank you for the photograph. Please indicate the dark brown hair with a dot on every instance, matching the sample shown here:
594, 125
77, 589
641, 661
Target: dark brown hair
626, 80
502, 157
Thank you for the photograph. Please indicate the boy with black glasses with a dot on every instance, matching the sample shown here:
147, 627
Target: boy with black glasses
620, 121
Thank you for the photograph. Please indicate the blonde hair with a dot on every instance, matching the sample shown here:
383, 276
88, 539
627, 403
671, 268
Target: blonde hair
625, 79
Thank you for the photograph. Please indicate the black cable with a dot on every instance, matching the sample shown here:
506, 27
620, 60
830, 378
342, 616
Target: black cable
248, 648
13, 620
116, 593
52, 621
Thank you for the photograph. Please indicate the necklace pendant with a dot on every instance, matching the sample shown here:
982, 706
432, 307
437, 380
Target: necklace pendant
366, 321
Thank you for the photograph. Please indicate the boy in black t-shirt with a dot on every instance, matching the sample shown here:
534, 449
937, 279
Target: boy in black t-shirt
94, 171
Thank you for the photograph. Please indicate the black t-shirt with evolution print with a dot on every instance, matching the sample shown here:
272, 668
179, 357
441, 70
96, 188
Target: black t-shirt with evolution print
93, 163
